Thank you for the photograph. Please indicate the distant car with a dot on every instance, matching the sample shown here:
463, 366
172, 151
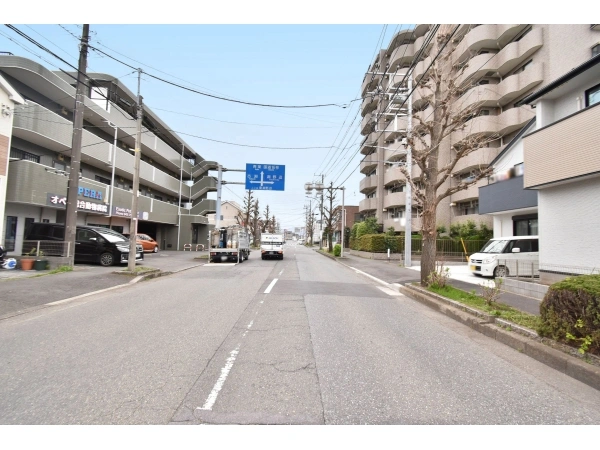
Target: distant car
149, 244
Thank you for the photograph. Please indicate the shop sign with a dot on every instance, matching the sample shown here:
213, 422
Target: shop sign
126, 212
60, 201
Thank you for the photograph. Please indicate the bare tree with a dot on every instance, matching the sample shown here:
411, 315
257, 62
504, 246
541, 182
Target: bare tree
255, 221
443, 134
267, 220
330, 215
247, 212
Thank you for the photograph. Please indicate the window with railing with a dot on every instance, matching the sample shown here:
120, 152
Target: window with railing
22, 154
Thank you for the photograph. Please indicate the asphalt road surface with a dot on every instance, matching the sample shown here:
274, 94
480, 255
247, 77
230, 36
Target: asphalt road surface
304, 340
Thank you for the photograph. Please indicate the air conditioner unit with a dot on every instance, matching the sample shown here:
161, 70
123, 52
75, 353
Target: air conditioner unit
403, 141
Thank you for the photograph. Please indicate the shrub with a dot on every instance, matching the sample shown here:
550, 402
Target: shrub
438, 279
570, 313
337, 250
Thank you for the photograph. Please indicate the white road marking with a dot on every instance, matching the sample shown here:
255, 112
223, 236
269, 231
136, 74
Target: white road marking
212, 397
370, 276
388, 290
280, 272
220, 264
271, 286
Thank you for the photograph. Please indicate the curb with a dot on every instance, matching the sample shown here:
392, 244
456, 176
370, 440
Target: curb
521, 339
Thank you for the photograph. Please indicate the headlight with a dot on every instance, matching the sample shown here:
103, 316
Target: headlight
123, 248
489, 260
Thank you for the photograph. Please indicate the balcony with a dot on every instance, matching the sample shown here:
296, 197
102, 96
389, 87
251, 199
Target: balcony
395, 127
369, 104
95, 152
496, 126
504, 61
54, 132
366, 125
506, 195
468, 194
402, 55
370, 81
369, 163
368, 184
394, 200
367, 204
486, 36
478, 159
369, 146
504, 93
395, 152
564, 150
393, 175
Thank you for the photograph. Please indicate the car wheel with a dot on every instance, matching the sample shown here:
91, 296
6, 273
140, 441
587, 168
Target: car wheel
501, 272
156, 249
107, 259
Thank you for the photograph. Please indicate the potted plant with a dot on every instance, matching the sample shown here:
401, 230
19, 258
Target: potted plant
40, 263
27, 261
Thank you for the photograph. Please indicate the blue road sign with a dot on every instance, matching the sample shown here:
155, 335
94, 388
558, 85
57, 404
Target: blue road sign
265, 177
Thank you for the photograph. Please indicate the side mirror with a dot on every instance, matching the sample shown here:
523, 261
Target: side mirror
516, 250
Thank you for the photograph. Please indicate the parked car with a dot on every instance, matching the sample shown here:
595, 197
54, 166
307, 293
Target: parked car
92, 244
149, 244
501, 257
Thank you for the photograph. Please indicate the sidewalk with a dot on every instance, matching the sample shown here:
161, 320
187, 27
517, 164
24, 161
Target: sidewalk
23, 290
394, 272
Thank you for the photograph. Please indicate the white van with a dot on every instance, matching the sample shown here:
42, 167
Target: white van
504, 256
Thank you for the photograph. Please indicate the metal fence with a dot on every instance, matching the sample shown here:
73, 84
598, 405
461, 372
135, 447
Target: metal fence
519, 268
569, 270
46, 248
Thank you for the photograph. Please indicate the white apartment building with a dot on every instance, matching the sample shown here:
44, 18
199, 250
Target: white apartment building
504, 64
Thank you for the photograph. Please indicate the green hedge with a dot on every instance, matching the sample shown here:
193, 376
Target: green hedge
377, 243
570, 313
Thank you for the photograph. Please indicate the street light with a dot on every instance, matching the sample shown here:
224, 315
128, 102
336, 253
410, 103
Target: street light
319, 187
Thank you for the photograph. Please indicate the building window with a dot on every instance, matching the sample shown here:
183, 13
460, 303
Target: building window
10, 233
102, 179
596, 50
592, 96
21, 154
525, 225
468, 208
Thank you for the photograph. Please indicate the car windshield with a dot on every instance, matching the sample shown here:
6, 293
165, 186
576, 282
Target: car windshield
112, 236
494, 246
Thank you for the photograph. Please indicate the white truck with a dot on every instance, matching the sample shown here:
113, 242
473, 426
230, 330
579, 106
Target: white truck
271, 245
229, 244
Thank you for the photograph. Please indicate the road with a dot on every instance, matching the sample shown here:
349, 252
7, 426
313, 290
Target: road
304, 340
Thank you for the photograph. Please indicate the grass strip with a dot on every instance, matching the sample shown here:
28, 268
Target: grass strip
497, 309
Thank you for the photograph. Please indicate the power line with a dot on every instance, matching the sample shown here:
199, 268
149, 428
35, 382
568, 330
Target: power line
225, 98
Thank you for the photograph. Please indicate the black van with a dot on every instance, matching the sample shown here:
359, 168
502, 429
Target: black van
92, 244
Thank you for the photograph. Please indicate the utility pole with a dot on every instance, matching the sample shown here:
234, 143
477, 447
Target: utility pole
408, 207
133, 227
73, 186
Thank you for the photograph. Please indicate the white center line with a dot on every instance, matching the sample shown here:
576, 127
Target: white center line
212, 397
268, 289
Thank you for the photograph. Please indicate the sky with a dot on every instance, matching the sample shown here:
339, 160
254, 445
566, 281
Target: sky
288, 65
259, 53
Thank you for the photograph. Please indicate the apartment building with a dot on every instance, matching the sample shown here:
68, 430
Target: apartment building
503, 64
174, 181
